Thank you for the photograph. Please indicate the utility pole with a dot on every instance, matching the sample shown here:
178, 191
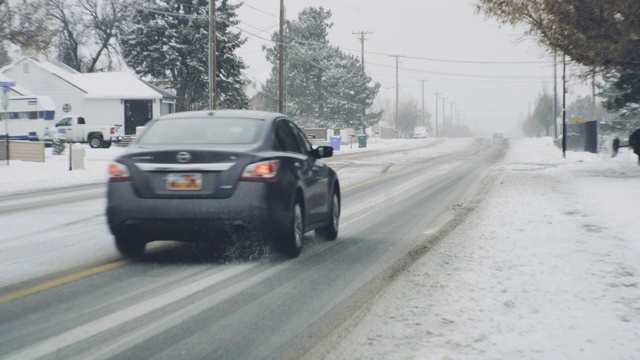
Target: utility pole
555, 94
364, 107
451, 113
281, 61
422, 81
213, 83
397, 95
362, 39
444, 118
436, 93
564, 106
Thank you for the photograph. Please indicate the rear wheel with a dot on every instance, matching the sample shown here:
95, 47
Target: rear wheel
291, 241
95, 141
129, 246
330, 232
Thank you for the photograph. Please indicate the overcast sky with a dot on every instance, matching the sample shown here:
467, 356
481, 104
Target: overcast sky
490, 72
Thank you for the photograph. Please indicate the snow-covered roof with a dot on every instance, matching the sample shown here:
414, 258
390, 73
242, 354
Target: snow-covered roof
17, 88
117, 85
111, 85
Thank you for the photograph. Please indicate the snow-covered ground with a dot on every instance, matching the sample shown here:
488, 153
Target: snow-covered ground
22, 176
547, 268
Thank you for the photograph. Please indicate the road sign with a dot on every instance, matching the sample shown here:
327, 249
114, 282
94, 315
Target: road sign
6, 86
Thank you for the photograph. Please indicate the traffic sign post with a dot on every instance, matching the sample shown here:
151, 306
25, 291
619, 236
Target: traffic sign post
6, 86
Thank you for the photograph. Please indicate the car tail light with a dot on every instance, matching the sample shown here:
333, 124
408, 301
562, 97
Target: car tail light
118, 172
262, 171
112, 131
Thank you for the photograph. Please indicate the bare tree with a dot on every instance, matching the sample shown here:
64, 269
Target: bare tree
25, 23
88, 31
593, 33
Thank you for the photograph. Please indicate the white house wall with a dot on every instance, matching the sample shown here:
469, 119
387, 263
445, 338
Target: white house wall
98, 97
39, 81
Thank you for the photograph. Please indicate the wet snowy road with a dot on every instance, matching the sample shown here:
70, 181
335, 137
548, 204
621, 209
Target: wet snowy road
65, 293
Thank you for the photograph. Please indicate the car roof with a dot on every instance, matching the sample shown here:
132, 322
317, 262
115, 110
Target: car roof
240, 114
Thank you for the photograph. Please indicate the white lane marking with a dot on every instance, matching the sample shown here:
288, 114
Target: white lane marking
393, 194
138, 335
52, 344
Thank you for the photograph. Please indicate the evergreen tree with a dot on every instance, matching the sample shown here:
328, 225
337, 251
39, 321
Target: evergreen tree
324, 86
540, 121
168, 41
621, 92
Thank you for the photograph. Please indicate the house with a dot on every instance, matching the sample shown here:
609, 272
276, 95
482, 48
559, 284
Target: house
16, 90
119, 98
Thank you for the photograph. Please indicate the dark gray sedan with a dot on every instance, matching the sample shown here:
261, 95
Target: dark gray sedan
199, 175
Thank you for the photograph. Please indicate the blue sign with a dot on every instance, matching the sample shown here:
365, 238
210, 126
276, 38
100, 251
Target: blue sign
6, 86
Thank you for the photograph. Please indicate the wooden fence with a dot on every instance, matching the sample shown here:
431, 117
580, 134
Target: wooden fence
22, 150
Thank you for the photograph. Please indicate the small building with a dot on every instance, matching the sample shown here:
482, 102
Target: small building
106, 98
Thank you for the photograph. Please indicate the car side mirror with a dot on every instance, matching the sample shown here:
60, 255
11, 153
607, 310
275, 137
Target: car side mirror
323, 152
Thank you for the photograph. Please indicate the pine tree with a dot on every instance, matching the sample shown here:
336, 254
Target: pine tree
621, 92
324, 86
168, 41
540, 122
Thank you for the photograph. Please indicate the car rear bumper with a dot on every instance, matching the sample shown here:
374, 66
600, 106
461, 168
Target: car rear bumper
256, 209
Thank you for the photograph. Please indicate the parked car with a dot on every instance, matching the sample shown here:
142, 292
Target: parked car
76, 129
192, 175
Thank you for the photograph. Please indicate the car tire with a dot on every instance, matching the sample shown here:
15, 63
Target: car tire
291, 240
330, 232
95, 141
129, 246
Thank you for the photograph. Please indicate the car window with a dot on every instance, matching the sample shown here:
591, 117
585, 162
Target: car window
214, 131
301, 138
64, 122
285, 139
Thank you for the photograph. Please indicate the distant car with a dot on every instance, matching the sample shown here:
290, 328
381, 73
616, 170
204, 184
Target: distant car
192, 175
420, 132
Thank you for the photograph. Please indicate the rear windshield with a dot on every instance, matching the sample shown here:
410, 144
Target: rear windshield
202, 131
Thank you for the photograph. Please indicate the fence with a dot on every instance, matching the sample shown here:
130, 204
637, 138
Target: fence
22, 150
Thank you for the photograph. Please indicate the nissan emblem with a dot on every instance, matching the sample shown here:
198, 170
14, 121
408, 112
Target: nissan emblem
183, 157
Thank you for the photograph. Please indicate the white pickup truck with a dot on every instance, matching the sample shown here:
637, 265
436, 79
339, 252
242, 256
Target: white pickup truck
75, 129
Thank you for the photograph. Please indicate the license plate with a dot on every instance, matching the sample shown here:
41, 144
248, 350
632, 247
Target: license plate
184, 181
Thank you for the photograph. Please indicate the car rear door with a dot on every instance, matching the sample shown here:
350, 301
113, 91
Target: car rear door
317, 181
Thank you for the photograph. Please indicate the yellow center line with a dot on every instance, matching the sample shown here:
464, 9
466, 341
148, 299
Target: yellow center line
61, 281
